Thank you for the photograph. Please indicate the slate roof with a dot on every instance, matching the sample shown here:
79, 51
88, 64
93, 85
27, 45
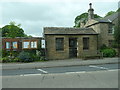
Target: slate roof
102, 20
113, 16
67, 31
110, 18
107, 19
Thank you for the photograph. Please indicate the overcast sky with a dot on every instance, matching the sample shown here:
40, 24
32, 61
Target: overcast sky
33, 15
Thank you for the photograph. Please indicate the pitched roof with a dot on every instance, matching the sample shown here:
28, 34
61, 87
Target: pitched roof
112, 17
107, 19
66, 31
102, 20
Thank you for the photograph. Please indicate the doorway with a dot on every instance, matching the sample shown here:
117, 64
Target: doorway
72, 47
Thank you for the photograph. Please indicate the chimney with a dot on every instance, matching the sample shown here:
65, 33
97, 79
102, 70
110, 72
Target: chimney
90, 12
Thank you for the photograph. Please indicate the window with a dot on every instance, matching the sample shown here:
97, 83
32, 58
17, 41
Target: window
111, 29
26, 44
14, 44
85, 43
59, 44
30, 44
7, 45
33, 44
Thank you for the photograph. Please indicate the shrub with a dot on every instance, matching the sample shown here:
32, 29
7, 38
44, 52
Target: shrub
14, 53
108, 52
5, 53
103, 47
5, 59
25, 57
42, 58
0, 60
16, 59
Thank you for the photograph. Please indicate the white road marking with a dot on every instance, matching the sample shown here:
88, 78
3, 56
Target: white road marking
75, 72
113, 70
42, 70
89, 71
69, 72
98, 67
30, 74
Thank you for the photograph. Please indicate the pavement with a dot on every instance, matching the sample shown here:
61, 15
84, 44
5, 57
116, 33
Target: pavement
58, 63
94, 79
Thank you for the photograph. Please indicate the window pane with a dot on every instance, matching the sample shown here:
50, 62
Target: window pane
59, 44
7, 45
15, 45
34, 44
25, 44
110, 29
85, 43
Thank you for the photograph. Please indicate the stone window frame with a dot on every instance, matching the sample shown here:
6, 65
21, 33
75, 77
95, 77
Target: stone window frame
61, 49
110, 29
88, 46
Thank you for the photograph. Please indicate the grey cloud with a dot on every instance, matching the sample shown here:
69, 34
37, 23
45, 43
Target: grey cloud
36, 11
35, 16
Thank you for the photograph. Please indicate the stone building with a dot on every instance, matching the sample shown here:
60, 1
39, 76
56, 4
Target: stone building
64, 42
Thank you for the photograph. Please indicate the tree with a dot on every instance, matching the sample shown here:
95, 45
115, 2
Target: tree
12, 30
117, 33
80, 18
117, 36
83, 18
118, 10
109, 13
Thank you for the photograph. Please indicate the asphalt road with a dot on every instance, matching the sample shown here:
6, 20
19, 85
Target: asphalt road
91, 79
72, 69
92, 76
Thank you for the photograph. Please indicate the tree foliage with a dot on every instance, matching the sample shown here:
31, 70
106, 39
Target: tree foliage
110, 13
117, 33
83, 18
117, 36
118, 10
13, 31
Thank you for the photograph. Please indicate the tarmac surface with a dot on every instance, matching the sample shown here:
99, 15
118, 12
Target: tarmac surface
61, 70
58, 63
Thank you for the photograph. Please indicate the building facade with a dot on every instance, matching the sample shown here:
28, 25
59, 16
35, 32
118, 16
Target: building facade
64, 42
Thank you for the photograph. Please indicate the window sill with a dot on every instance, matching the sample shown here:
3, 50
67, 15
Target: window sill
86, 50
29, 48
110, 33
59, 51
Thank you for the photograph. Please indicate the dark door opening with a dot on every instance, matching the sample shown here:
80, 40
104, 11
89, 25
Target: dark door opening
72, 47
